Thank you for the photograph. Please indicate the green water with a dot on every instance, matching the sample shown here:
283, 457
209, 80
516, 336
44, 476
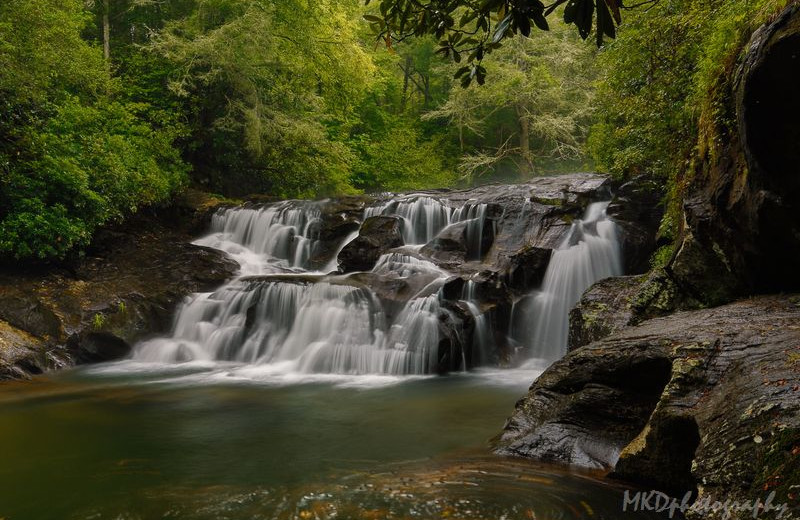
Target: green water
121, 442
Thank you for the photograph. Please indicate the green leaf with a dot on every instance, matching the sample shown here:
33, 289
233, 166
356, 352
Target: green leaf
460, 72
501, 29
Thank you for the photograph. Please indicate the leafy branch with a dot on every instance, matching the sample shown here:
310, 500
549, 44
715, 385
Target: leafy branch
468, 30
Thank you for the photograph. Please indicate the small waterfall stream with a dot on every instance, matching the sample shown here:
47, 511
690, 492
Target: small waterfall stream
589, 253
423, 218
483, 336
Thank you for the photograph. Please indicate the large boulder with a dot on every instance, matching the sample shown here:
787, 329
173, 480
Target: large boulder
339, 219
376, 236
637, 209
605, 308
702, 401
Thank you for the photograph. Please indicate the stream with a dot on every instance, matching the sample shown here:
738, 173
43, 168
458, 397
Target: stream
127, 441
294, 392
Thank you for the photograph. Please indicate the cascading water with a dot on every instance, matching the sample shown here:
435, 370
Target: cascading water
280, 315
425, 217
482, 338
268, 239
304, 322
589, 252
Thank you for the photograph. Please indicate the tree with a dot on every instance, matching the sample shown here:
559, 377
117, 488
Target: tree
73, 154
266, 85
535, 112
472, 29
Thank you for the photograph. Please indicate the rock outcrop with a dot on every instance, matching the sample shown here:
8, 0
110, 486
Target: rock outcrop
605, 308
741, 224
125, 289
377, 235
702, 401
637, 208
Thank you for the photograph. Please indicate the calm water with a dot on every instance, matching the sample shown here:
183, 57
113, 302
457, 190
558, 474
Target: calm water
125, 441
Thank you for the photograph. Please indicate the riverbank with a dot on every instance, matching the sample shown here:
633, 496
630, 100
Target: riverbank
125, 289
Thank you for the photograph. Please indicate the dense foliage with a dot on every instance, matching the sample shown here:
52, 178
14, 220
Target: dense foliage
73, 152
108, 107
660, 79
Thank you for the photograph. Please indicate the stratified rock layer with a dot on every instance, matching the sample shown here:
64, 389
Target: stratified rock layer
705, 401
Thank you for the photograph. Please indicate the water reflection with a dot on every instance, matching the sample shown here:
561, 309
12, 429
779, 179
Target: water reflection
200, 443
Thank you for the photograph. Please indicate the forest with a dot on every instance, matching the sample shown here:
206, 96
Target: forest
399, 259
112, 106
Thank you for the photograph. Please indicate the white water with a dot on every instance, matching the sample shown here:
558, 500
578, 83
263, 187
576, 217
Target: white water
483, 336
301, 322
424, 218
263, 240
280, 319
589, 253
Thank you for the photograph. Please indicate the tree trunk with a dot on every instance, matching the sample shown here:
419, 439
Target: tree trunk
106, 32
406, 74
526, 166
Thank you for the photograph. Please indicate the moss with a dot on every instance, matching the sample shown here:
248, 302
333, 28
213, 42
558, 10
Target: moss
656, 296
637, 445
662, 256
548, 201
780, 467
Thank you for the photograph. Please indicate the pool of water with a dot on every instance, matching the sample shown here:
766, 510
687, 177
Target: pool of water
128, 441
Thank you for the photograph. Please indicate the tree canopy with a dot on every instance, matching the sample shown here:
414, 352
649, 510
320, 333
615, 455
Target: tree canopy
468, 30
110, 107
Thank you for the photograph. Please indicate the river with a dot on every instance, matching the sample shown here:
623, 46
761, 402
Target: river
132, 441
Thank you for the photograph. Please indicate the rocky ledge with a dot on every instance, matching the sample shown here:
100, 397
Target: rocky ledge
703, 401
125, 289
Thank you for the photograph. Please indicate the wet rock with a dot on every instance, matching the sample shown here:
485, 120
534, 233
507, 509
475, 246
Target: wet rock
22, 354
339, 219
605, 308
527, 268
699, 401
637, 209
459, 243
456, 327
126, 289
376, 236
449, 248
742, 231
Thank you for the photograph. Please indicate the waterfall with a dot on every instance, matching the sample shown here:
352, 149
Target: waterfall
589, 252
482, 337
272, 238
313, 326
425, 217
281, 315
304, 322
